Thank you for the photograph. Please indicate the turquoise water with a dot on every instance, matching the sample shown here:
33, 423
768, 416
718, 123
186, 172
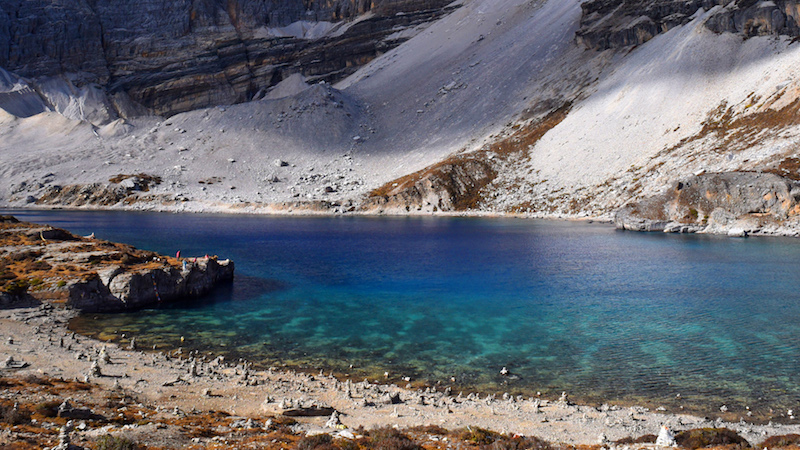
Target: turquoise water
608, 316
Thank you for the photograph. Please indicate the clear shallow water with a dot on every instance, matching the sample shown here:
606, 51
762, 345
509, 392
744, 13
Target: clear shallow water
605, 315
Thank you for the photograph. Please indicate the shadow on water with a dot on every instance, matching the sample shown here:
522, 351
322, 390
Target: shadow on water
241, 289
180, 318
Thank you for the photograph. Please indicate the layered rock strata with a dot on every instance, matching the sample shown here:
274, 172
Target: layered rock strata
173, 56
620, 23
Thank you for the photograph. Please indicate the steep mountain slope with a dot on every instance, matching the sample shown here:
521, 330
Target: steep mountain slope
542, 107
178, 55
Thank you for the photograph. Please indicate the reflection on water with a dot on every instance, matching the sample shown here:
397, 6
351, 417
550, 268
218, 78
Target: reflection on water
604, 315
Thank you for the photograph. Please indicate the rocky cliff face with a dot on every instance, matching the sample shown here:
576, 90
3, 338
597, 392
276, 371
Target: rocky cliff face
177, 55
116, 288
736, 203
619, 23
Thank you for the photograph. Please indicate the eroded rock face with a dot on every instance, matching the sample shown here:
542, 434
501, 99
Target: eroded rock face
736, 203
173, 56
450, 186
119, 289
620, 23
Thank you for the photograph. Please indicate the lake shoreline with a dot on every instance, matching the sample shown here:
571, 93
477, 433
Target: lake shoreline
620, 222
39, 338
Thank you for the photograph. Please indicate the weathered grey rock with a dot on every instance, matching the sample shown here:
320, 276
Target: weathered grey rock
616, 23
131, 290
453, 185
68, 411
172, 56
11, 363
735, 203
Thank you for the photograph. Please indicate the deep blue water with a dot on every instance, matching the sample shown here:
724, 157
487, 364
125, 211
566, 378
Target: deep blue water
603, 314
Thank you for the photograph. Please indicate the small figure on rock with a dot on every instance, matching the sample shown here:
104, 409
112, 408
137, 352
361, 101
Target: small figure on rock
503, 371
63, 437
11, 363
103, 356
564, 399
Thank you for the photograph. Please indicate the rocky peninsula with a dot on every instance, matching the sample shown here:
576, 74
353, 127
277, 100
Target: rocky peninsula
42, 263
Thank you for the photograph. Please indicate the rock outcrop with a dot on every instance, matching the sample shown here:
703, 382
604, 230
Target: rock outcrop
88, 274
173, 56
117, 288
734, 203
620, 23
453, 185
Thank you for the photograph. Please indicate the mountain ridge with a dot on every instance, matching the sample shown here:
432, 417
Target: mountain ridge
494, 107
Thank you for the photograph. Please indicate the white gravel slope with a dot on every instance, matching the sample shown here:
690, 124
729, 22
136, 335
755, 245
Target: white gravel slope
448, 88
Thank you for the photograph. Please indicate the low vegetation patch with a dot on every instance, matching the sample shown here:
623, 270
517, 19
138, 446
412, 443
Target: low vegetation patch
42, 260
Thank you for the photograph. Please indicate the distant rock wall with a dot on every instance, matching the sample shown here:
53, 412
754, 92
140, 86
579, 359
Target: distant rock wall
735, 203
177, 55
620, 23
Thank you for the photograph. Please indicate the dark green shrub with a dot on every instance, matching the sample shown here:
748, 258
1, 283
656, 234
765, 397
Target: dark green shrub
520, 443
646, 439
17, 287
388, 438
316, 442
48, 409
13, 416
477, 435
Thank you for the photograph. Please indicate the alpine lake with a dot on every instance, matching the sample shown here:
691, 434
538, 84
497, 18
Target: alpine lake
685, 322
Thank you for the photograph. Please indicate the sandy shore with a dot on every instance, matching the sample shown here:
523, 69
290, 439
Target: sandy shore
38, 336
